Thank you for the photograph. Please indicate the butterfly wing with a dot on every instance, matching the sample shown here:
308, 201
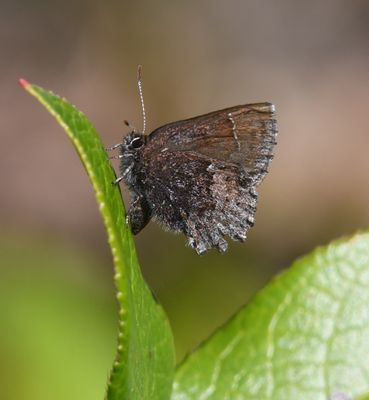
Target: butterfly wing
204, 171
242, 135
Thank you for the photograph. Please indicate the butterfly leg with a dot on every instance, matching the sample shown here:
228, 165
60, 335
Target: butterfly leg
139, 214
115, 146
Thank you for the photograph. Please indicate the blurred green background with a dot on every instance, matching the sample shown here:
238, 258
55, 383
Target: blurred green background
57, 307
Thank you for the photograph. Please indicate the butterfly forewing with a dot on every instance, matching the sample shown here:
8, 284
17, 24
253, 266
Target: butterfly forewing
243, 135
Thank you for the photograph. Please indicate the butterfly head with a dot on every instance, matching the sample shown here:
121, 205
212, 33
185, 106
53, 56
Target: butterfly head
132, 143
130, 149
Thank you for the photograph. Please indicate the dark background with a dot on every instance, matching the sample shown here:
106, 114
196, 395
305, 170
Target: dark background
57, 307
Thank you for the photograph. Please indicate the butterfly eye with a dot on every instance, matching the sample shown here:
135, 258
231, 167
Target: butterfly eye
136, 143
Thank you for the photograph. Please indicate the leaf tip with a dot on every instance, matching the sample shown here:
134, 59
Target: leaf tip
23, 83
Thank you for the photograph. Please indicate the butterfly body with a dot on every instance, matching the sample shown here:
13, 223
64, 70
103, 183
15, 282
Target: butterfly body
199, 176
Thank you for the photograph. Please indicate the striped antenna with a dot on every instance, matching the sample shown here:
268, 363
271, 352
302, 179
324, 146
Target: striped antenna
139, 83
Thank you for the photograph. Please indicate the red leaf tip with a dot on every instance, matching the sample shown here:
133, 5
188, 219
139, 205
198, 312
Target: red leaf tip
23, 83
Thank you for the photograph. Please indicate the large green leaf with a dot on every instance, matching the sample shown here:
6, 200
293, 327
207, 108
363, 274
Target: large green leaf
305, 336
144, 364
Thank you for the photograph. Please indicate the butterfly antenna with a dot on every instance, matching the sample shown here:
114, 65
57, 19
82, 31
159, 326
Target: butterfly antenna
139, 83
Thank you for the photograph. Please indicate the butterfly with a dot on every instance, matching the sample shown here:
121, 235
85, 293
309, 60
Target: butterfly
199, 176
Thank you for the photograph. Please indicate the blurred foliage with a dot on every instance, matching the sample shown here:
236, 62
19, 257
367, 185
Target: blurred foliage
58, 322
56, 303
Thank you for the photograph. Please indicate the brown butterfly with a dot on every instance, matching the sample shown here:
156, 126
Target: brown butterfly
199, 176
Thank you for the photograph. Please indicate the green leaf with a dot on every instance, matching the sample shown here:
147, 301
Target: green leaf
145, 360
304, 336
